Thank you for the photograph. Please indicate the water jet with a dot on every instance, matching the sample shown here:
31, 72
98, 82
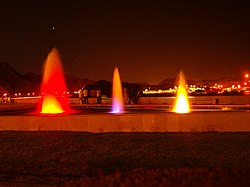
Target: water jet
117, 99
53, 92
181, 104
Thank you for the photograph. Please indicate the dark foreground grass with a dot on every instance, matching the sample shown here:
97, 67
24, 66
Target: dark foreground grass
88, 159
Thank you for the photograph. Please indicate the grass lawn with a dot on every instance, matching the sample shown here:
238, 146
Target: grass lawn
69, 158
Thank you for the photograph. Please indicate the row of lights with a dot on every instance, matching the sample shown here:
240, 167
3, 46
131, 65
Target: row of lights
33, 94
19, 94
148, 91
192, 88
57, 93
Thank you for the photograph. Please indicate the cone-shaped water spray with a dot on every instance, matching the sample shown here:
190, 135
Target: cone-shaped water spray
181, 102
53, 92
117, 99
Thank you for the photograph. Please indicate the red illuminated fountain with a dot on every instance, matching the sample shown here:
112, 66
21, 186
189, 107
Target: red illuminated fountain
54, 99
117, 99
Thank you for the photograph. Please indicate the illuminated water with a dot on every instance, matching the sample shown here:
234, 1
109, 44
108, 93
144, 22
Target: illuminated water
181, 102
117, 99
53, 92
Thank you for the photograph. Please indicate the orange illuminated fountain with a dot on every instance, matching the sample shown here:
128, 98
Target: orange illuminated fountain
117, 99
181, 102
54, 99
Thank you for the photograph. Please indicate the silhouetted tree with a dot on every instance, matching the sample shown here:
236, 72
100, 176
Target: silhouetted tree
105, 87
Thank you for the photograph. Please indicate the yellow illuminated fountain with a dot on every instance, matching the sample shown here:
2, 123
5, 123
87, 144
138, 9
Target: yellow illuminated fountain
181, 102
117, 99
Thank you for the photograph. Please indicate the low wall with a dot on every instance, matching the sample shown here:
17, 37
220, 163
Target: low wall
200, 100
150, 122
92, 100
203, 100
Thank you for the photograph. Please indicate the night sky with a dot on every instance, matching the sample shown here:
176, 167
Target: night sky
148, 40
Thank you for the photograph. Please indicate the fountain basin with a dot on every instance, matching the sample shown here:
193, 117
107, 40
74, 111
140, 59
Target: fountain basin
135, 120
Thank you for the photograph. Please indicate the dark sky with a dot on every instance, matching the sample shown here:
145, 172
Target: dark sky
148, 40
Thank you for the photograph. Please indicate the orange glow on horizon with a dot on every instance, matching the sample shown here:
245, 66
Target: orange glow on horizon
181, 103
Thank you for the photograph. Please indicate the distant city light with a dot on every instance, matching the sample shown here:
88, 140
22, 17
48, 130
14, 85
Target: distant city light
247, 75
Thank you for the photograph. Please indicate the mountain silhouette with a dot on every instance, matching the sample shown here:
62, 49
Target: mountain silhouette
11, 81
